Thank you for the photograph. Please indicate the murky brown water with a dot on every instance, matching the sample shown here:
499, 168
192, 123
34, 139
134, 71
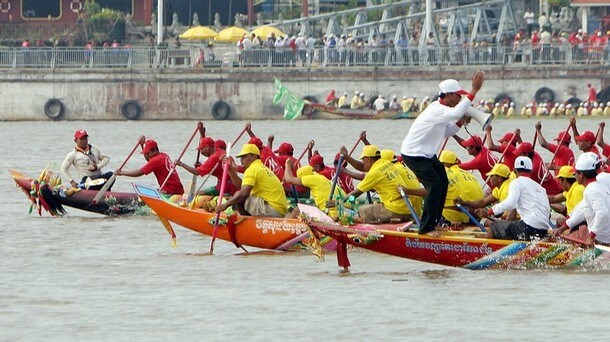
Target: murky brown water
87, 277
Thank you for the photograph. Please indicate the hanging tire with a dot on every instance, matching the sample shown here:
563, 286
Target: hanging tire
54, 109
544, 95
221, 110
503, 98
131, 109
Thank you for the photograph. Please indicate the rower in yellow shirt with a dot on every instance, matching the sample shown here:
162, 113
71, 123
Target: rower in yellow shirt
319, 186
260, 191
355, 101
383, 177
461, 184
572, 193
408, 177
342, 103
499, 180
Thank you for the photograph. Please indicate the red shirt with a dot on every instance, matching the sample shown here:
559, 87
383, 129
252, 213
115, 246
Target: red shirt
606, 150
345, 181
592, 94
550, 184
509, 156
281, 161
327, 172
160, 165
482, 162
208, 166
565, 156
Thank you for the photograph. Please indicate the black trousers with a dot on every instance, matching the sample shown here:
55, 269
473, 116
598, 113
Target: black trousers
432, 175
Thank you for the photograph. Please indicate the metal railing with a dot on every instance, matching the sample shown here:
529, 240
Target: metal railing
64, 57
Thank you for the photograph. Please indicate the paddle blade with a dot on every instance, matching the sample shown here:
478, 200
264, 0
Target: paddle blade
103, 190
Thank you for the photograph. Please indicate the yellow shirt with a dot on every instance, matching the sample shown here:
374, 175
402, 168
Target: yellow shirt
265, 185
411, 182
355, 102
342, 101
406, 104
319, 187
501, 192
384, 178
573, 196
464, 185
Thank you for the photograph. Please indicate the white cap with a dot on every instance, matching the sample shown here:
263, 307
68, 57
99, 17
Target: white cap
394, 96
380, 96
361, 94
345, 93
356, 92
523, 163
586, 162
406, 97
451, 86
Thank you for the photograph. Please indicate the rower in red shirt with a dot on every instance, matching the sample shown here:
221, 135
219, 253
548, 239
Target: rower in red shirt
600, 140
285, 152
507, 146
540, 174
482, 161
160, 164
213, 165
562, 151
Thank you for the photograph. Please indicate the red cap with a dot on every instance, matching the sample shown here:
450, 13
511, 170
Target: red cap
507, 137
474, 141
316, 159
337, 156
80, 133
219, 143
285, 148
205, 142
524, 147
149, 145
586, 136
256, 141
566, 138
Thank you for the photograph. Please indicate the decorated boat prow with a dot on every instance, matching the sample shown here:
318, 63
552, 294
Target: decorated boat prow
260, 232
466, 249
46, 193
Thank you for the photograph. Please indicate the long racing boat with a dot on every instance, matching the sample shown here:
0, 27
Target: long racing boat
465, 249
44, 193
260, 232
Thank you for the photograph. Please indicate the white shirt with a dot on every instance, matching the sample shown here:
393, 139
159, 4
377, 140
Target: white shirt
595, 209
379, 104
530, 200
431, 127
82, 162
528, 17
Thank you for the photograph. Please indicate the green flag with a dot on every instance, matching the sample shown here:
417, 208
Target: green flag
293, 105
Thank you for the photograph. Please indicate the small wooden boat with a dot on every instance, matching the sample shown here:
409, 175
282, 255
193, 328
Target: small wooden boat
53, 198
466, 249
260, 232
331, 112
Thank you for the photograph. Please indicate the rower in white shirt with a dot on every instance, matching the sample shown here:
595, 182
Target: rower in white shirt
531, 202
595, 205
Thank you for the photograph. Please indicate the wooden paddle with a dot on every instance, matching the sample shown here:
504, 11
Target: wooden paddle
193, 184
563, 136
110, 181
223, 183
410, 206
335, 178
197, 129
470, 217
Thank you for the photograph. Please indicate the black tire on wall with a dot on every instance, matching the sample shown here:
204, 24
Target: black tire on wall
221, 110
54, 109
503, 98
131, 110
544, 95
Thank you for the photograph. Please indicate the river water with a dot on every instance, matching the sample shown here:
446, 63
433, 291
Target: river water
87, 277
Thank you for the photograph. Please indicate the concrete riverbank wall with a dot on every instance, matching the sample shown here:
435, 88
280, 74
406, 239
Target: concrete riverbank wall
174, 94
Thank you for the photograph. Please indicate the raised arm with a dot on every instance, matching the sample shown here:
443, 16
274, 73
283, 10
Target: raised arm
541, 139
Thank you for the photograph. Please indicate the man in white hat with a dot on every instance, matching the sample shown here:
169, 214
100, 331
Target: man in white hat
441, 119
595, 205
380, 103
531, 202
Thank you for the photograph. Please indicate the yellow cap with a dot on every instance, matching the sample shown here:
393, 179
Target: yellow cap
304, 171
249, 149
387, 155
499, 170
566, 171
448, 157
370, 151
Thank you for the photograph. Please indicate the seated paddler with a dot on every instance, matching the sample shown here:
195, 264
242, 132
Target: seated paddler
260, 191
383, 177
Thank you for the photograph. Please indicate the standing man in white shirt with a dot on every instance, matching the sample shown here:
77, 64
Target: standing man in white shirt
532, 204
595, 205
441, 119
88, 161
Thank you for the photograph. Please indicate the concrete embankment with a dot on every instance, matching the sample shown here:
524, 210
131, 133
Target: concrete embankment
175, 94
